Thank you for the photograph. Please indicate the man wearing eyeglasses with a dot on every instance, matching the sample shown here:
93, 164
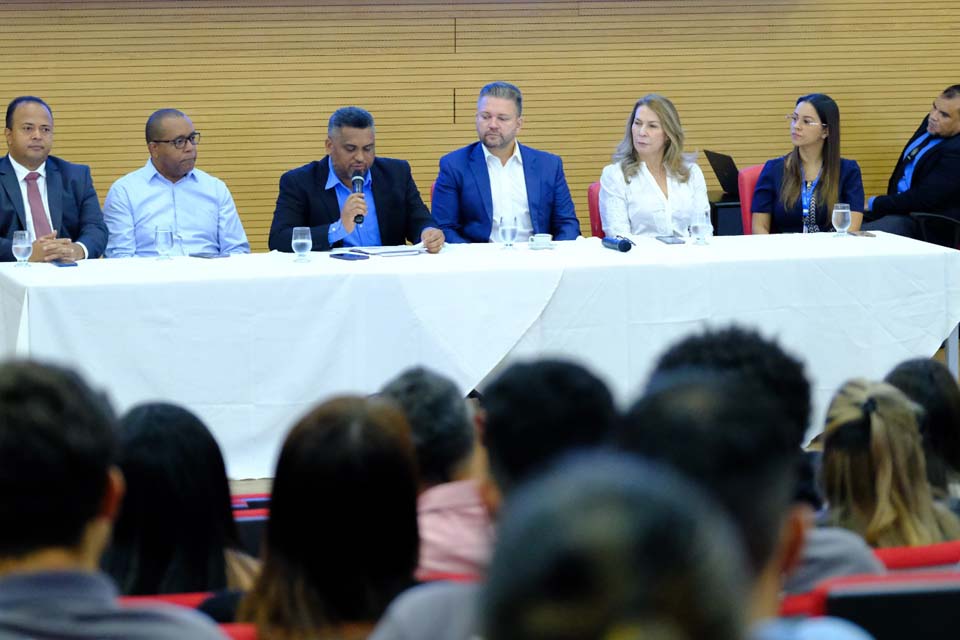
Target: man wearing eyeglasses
51, 198
927, 176
170, 192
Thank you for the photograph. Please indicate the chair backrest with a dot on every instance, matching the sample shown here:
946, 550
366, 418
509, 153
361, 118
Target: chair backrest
239, 631
250, 501
593, 204
942, 555
938, 229
747, 181
190, 600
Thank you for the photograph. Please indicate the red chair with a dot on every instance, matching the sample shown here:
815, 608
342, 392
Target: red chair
442, 576
593, 205
942, 555
815, 602
189, 600
239, 631
747, 182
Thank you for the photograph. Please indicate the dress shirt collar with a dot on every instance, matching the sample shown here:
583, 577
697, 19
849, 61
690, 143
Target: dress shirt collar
22, 171
516, 154
333, 180
153, 173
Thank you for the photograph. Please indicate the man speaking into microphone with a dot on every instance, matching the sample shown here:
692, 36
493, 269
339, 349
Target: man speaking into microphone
351, 198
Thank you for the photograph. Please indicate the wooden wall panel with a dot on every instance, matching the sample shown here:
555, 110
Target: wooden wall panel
260, 78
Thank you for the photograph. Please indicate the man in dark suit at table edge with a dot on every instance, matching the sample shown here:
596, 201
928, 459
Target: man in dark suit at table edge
51, 198
926, 178
320, 194
497, 177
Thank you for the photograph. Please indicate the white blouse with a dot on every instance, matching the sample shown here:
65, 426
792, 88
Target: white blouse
640, 208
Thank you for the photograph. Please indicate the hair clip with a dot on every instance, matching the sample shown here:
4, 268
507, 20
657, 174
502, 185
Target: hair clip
853, 435
869, 406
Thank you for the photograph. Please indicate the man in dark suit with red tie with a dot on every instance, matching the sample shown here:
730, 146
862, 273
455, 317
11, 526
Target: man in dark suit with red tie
927, 176
51, 198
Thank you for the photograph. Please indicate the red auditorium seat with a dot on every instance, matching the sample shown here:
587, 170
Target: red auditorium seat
942, 555
747, 181
191, 600
593, 206
239, 631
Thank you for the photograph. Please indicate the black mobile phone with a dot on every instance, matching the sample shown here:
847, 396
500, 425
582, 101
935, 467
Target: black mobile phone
863, 234
207, 254
671, 239
349, 256
64, 263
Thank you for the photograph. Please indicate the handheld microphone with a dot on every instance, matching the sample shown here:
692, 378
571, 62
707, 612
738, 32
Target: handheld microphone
357, 180
617, 244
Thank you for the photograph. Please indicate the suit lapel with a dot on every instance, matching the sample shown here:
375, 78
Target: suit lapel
381, 196
8, 180
531, 177
478, 166
55, 199
328, 197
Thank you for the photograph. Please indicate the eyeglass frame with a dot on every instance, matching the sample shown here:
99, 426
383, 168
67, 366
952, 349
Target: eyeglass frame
794, 119
193, 138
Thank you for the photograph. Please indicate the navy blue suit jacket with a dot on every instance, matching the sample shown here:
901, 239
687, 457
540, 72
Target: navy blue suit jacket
463, 204
74, 208
935, 185
304, 202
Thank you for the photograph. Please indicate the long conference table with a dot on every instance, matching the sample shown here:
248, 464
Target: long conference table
251, 342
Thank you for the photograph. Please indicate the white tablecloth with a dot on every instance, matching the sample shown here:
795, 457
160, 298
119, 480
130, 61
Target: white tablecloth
250, 342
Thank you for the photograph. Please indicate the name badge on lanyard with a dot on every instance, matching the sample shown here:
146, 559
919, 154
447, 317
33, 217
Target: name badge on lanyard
809, 204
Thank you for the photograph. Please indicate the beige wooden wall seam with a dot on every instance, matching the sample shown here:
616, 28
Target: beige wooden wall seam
260, 78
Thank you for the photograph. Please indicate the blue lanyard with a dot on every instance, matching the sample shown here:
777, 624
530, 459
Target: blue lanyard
806, 196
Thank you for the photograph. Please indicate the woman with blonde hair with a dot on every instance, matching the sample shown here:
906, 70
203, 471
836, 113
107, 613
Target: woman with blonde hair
874, 473
652, 188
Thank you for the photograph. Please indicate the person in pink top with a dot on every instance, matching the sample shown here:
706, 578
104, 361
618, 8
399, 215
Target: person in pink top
456, 533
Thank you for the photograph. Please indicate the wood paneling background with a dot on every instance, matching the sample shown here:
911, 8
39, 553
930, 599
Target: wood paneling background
260, 78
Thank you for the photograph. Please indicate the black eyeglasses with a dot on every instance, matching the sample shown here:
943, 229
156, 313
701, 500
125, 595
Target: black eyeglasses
181, 142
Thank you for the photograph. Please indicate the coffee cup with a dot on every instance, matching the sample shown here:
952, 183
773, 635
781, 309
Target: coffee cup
541, 241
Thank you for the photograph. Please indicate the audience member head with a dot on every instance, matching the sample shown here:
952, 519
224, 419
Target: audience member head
654, 135
176, 522
443, 433
723, 432
931, 385
814, 125
873, 471
746, 353
58, 488
342, 538
351, 142
538, 410
609, 546
944, 118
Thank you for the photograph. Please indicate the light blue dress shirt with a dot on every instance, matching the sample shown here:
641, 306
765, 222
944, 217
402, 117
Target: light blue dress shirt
363, 235
198, 208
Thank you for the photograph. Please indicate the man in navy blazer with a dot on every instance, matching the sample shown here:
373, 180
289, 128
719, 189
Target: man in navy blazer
927, 175
382, 208
499, 180
51, 198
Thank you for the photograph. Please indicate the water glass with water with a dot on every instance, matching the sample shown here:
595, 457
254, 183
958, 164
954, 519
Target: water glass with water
22, 247
700, 226
508, 231
164, 241
841, 218
302, 243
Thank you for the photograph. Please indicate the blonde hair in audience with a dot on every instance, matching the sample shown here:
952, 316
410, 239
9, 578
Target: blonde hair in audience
674, 159
874, 474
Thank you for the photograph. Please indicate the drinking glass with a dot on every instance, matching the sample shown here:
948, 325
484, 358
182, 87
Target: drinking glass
22, 247
508, 231
164, 241
701, 227
841, 218
302, 243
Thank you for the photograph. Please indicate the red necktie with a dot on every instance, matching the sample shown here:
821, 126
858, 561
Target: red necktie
41, 227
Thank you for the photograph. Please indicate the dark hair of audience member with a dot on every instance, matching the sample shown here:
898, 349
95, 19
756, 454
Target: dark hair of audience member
342, 537
57, 444
175, 529
437, 412
609, 546
746, 353
873, 471
931, 385
537, 410
723, 432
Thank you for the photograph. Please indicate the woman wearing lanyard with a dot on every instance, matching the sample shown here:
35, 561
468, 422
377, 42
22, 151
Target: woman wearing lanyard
796, 193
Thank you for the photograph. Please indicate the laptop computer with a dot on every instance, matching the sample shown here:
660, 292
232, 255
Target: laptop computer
726, 170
